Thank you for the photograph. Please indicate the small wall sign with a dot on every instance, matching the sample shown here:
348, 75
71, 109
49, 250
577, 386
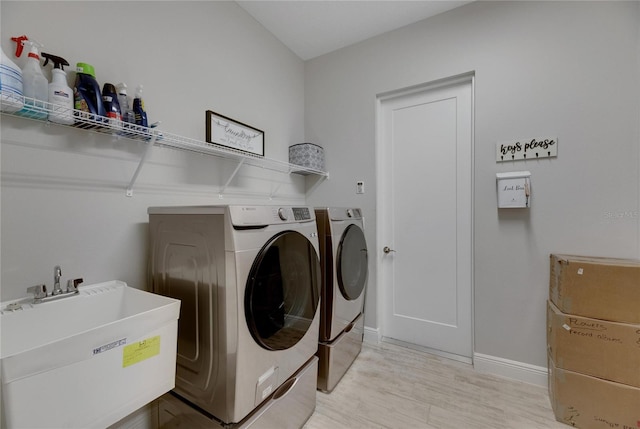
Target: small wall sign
232, 134
533, 148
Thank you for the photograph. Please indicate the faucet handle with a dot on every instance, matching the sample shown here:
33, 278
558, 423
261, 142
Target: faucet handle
72, 285
38, 291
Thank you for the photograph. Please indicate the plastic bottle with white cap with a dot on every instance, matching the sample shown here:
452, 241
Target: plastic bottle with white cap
60, 94
10, 85
35, 85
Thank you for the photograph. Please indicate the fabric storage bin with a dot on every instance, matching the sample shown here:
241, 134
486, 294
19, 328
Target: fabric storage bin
307, 155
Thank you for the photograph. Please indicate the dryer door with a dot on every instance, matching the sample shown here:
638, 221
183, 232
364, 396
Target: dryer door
352, 263
283, 291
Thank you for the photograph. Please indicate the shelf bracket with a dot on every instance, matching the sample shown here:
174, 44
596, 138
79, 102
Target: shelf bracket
318, 181
224, 187
273, 193
150, 144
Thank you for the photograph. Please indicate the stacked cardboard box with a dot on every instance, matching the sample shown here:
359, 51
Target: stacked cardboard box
593, 341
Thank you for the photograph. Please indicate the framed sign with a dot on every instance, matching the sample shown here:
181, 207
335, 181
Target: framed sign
227, 132
515, 150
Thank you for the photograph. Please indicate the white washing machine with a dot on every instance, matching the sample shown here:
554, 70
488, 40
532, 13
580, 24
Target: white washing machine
344, 261
249, 281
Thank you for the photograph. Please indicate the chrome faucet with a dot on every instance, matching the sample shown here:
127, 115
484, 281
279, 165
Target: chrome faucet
57, 274
40, 291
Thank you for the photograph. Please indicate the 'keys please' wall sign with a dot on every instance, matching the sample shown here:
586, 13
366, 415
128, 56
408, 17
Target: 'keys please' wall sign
533, 148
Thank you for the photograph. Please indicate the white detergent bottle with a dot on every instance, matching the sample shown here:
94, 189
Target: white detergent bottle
60, 94
11, 95
35, 85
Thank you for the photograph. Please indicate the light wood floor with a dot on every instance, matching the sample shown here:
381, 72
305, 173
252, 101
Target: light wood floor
389, 386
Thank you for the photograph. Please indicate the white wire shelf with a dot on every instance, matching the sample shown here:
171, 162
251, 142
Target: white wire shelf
39, 111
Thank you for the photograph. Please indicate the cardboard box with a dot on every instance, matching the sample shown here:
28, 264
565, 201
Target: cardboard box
600, 288
603, 349
587, 402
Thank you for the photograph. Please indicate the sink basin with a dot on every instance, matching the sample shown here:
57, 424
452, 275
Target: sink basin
86, 360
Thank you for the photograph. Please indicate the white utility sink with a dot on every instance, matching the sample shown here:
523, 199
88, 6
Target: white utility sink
86, 360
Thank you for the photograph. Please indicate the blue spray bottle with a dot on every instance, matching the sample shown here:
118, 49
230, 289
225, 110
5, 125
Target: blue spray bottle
138, 108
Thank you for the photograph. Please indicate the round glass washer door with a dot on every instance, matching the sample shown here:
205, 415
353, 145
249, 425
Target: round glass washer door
352, 266
283, 291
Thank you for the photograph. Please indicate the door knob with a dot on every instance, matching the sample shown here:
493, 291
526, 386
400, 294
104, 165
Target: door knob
387, 249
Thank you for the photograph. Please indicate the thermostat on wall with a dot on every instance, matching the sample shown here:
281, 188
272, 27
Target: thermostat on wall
514, 189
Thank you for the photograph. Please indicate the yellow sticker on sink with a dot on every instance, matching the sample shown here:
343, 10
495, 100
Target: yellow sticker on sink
141, 350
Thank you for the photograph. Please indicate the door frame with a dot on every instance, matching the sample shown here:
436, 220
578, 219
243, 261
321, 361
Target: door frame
383, 209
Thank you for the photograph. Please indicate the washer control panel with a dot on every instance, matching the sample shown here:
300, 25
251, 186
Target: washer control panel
257, 216
338, 213
292, 214
301, 213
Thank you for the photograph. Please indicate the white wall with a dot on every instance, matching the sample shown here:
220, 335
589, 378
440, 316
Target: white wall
565, 69
63, 190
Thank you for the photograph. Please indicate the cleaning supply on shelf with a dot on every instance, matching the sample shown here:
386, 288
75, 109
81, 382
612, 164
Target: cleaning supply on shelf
19, 44
10, 86
87, 97
138, 108
128, 117
35, 86
111, 105
127, 113
60, 94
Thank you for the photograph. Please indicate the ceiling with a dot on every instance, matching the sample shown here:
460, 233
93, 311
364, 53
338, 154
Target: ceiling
313, 28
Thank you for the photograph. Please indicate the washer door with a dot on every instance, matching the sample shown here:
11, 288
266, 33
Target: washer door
283, 291
352, 267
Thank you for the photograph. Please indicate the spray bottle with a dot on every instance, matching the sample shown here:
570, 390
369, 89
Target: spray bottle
138, 108
60, 94
35, 85
11, 95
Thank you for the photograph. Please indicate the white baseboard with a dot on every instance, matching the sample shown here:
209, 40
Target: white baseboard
489, 364
511, 369
371, 335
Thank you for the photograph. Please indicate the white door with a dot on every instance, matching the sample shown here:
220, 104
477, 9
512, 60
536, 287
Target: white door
424, 149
